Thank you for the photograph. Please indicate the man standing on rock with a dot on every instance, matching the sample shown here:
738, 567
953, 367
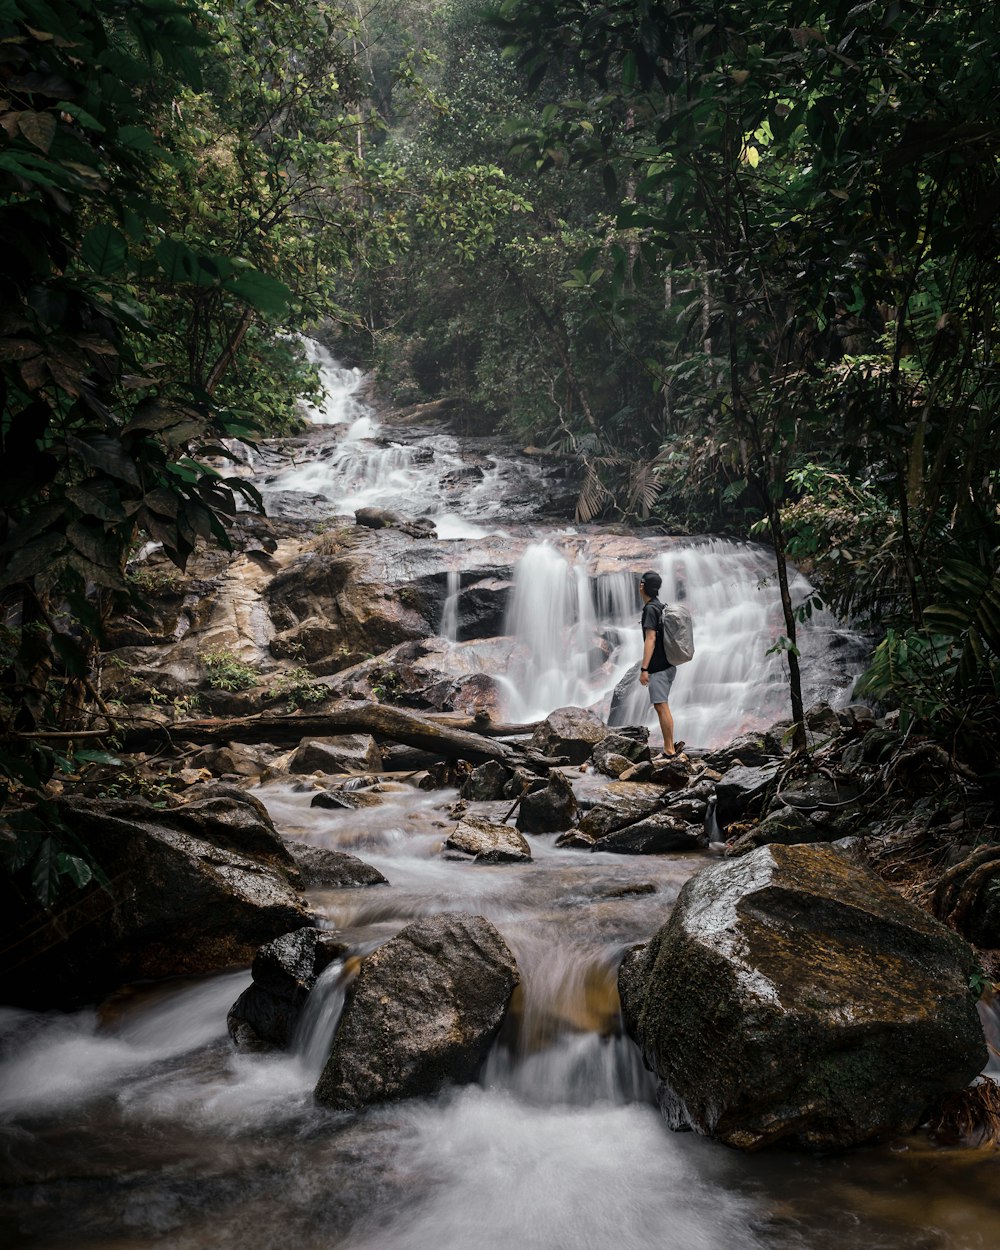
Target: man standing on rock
657, 673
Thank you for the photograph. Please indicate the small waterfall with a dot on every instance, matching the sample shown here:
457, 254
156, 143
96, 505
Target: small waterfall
564, 1045
339, 403
580, 637
449, 616
320, 1016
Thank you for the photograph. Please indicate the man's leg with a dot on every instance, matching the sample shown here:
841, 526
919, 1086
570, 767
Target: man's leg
666, 720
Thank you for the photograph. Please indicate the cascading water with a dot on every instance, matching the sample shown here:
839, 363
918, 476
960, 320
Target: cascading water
341, 388
140, 1125
449, 615
580, 635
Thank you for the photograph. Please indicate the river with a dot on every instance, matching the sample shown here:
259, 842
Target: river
135, 1123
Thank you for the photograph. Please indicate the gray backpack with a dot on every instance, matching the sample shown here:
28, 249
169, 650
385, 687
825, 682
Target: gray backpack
677, 629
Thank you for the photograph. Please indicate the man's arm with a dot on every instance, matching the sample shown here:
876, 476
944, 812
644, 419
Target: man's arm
649, 642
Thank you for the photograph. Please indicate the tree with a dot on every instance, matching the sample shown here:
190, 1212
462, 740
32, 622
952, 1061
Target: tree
803, 181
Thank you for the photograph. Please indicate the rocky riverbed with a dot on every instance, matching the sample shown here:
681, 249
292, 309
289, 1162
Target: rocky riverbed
388, 801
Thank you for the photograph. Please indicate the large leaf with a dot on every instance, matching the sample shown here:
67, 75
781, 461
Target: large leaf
266, 294
104, 249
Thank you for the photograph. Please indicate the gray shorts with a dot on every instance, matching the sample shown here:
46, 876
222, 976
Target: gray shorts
659, 685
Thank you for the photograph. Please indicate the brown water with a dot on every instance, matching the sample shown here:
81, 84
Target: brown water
138, 1125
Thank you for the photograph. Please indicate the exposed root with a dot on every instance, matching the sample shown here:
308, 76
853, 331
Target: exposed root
969, 1118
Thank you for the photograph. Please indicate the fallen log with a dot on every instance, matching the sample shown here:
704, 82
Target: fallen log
394, 724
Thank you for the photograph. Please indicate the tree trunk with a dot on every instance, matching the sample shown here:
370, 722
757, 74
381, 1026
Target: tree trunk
391, 723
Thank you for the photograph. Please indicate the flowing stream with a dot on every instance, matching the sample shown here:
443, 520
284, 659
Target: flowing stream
136, 1124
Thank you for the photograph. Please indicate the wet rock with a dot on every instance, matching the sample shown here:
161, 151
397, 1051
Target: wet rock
740, 788
817, 790
284, 971
787, 826
422, 1012
672, 771
523, 781
315, 643
377, 518
622, 803
751, 750
686, 806
347, 753
615, 753
324, 868
489, 842
550, 810
234, 758
193, 889
637, 772
576, 840
639, 887
225, 816
487, 782
659, 834
792, 996
332, 800
858, 716
821, 719
569, 731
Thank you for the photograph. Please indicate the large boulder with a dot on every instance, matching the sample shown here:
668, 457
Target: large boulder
750, 749
487, 782
422, 1012
549, 810
488, 842
793, 996
659, 834
326, 869
572, 732
346, 753
190, 890
622, 803
741, 789
283, 971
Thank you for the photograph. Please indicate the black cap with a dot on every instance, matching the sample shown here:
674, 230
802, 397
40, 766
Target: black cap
652, 581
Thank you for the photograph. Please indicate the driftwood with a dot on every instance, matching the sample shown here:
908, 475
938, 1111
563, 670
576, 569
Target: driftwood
394, 724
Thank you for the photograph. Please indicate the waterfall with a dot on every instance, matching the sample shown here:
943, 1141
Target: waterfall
319, 1019
580, 635
449, 615
564, 1045
550, 607
339, 402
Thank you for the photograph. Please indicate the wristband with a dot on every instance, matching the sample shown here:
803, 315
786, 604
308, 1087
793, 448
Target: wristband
643, 670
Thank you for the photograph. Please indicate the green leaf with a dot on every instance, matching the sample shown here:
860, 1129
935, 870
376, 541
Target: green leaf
45, 873
97, 757
32, 559
77, 869
104, 249
266, 294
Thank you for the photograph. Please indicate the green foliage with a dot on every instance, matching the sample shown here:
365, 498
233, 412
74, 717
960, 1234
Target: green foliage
298, 688
224, 670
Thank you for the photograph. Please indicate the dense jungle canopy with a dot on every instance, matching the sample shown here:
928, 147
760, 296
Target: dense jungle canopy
742, 262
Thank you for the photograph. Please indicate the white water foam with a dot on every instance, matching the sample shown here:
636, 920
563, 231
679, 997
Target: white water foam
580, 635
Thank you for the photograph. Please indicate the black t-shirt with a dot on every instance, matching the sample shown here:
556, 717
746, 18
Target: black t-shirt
651, 620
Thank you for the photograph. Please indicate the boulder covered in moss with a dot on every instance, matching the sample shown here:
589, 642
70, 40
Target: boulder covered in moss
793, 997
